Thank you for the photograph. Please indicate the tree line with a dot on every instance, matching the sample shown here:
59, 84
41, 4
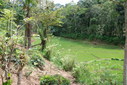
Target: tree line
94, 20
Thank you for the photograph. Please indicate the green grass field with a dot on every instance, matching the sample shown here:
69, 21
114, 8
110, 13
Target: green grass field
85, 51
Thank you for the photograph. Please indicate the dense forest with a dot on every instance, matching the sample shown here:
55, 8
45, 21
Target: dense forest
43, 43
94, 20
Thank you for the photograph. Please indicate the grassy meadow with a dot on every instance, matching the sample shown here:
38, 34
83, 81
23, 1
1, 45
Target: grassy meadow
83, 51
100, 56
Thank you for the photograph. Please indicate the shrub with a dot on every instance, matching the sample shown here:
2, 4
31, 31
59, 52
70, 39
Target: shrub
81, 74
61, 80
108, 39
57, 61
47, 55
70, 35
37, 62
65, 63
48, 80
95, 74
91, 37
36, 59
116, 40
54, 80
68, 64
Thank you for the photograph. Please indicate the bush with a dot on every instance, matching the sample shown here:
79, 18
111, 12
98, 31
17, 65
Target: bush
54, 80
70, 35
68, 64
37, 62
58, 61
108, 39
91, 37
116, 40
47, 55
65, 63
81, 74
36, 59
61, 80
48, 80
95, 74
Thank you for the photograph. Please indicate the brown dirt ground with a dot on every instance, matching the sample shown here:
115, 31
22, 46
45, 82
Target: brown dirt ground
33, 79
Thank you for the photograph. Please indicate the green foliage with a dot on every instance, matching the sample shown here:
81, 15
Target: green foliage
37, 61
54, 80
47, 55
61, 80
93, 20
29, 2
89, 19
68, 64
45, 19
58, 61
13, 56
9, 81
49, 80
65, 63
97, 59
6, 21
10, 46
82, 50
95, 71
98, 75
36, 58
81, 74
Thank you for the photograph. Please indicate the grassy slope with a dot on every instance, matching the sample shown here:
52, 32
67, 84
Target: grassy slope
83, 51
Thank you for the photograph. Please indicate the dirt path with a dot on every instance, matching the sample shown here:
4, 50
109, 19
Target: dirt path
33, 79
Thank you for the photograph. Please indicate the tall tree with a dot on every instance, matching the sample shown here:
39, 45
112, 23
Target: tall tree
28, 26
45, 18
27, 6
125, 56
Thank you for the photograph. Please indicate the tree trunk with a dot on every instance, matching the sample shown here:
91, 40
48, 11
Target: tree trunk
29, 35
25, 39
19, 74
125, 56
28, 31
43, 36
43, 44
